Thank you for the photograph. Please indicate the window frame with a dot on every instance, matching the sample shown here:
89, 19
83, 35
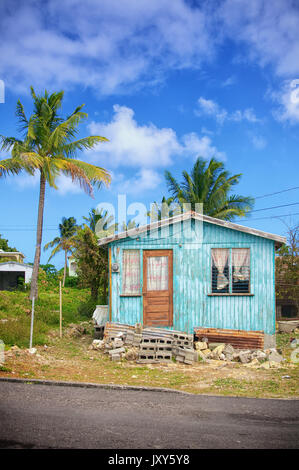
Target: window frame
131, 294
230, 271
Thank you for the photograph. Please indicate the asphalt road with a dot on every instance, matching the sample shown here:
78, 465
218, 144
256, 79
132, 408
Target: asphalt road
43, 416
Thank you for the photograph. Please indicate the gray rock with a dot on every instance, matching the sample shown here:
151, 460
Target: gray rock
116, 351
275, 357
229, 349
244, 357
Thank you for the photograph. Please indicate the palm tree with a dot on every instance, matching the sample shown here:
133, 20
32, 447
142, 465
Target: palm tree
210, 184
65, 242
167, 208
100, 222
129, 225
49, 148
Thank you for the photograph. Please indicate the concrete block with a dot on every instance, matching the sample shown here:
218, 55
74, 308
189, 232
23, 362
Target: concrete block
199, 345
117, 351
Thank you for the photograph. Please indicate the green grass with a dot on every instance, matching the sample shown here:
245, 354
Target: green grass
16, 308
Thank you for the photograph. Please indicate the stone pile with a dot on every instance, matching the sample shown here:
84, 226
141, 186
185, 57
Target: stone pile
208, 352
148, 345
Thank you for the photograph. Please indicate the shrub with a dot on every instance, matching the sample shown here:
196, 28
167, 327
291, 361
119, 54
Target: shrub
87, 308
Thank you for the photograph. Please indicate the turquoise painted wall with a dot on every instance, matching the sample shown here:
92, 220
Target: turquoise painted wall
192, 306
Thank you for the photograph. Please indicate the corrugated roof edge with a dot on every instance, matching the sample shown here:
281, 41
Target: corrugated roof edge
191, 214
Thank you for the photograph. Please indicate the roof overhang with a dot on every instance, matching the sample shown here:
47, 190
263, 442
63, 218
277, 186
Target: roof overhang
133, 233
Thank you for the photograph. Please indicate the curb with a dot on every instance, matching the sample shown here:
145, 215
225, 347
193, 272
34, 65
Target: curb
94, 385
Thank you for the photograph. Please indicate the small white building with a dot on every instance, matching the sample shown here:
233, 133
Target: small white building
13, 269
72, 267
11, 272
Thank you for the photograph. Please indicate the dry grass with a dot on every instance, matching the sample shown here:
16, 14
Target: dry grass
70, 359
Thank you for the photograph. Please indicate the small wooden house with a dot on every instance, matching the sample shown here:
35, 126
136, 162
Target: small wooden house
195, 273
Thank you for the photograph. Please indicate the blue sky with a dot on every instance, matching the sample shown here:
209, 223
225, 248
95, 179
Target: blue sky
166, 81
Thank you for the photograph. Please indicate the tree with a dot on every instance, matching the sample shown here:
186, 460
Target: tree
129, 225
4, 245
65, 242
287, 268
48, 146
210, 184
100, 222
92, 261
167, 208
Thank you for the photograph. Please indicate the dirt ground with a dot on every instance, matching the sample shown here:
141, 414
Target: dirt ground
70, 359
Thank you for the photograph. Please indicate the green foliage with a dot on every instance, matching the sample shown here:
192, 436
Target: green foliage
4, 245
209, 184
92, 261
49, 269
87, 308
15, 307
72, 281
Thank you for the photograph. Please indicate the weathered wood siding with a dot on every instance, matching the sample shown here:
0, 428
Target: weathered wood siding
192, 306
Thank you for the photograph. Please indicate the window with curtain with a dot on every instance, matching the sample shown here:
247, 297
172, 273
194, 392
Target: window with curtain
230, 270
131, 272
240, 270
220, 270
157, 273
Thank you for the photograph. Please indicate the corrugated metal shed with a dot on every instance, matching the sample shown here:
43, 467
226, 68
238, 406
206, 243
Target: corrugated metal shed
194, 305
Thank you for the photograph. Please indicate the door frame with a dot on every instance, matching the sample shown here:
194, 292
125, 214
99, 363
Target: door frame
158, 252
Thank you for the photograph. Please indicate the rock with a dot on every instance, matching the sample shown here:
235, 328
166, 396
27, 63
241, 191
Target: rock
217, 351
204, 340
116, 351
97, 344
32, 350
15, 348
199, 345
260, 355
287, 326
131, 354
206, 353
117, 343
244, 357
229, 357
294, 343
115, 357
275, 357
229, 349
213, 346
222, 357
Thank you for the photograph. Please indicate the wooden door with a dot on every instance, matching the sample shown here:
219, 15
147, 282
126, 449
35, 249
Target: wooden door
157, 288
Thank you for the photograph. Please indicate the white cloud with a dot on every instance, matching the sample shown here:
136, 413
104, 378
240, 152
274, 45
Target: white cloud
108, 45
146, 179
202, 147
144, 146
288, 100
66, 186
131, 144
211, 108
268, 28
115, 46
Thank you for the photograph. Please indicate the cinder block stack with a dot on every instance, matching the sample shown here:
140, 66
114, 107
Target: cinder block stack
182, 347
155, 349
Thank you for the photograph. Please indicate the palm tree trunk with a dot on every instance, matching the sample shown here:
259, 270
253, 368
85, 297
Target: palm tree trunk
39, 233
65, 267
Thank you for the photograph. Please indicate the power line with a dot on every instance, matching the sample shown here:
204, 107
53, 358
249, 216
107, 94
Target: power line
272, 217
274, 207
278, 192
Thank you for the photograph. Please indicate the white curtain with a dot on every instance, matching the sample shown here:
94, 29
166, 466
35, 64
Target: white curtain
220, 257
131, 272
241, 262
157, 273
